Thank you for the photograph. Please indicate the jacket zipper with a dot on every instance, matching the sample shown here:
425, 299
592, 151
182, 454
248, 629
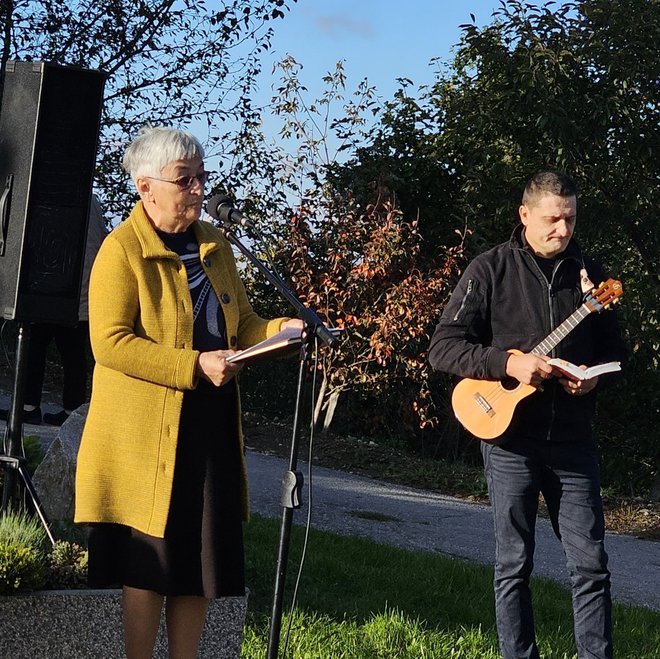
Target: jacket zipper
553, 351
549, 300
470, 284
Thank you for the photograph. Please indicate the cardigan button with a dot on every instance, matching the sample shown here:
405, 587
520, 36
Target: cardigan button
232, 341
225, 298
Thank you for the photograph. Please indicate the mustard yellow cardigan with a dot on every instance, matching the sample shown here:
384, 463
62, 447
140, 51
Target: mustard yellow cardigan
141, 329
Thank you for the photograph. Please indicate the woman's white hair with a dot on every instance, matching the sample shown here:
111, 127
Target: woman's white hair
155, 147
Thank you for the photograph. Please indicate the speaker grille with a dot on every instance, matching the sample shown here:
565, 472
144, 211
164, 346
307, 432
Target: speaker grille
49, 124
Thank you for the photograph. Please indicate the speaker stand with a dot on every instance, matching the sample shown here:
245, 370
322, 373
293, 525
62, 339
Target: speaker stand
12, 461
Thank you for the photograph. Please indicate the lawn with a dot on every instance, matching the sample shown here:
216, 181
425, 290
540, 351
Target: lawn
361, 600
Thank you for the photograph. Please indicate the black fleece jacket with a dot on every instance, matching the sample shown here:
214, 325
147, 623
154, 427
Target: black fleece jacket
504, 301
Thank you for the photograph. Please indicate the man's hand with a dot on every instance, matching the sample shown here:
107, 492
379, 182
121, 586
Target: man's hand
213, 366
528, 368
577, 387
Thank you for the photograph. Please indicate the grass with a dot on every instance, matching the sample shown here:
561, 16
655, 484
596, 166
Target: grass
362, 600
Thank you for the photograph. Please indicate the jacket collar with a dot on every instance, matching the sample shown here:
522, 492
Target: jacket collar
518, 241
152, 245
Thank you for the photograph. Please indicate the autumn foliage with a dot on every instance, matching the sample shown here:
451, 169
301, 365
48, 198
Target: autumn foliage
365, 272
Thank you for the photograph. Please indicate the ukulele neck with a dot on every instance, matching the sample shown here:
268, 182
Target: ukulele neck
561, 332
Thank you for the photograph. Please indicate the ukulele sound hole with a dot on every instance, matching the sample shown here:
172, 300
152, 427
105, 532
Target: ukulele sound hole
510, 384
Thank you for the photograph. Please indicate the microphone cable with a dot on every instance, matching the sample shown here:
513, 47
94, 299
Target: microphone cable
308, 523
267, 251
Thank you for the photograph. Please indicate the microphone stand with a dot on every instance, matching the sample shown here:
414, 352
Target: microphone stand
292, 481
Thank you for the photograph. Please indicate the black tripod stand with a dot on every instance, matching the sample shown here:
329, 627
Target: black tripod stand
292, 480
12, 461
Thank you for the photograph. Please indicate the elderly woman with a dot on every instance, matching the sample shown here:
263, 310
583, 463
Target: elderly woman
161, 473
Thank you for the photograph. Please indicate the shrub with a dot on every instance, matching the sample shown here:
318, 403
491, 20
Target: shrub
23, 559
68, 565
28, 563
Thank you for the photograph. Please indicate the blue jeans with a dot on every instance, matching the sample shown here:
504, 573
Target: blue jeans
567, 475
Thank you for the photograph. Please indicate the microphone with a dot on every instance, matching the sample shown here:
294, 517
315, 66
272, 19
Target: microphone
220, 207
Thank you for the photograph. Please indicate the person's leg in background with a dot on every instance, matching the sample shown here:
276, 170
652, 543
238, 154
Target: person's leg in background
72, 345
41, 334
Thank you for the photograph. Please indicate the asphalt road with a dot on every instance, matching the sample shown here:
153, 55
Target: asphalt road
417, 519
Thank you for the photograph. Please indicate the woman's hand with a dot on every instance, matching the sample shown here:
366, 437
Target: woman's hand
214, 367
292, 322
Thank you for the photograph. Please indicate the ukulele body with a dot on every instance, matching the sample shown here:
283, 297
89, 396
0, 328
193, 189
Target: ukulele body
485, 407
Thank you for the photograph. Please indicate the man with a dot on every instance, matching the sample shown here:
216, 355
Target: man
512, 297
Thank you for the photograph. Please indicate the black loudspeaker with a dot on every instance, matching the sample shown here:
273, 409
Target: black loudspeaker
49, 126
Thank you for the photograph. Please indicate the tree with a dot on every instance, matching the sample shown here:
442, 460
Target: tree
362, 267
274, 178
168, 62
364, 272
573, 86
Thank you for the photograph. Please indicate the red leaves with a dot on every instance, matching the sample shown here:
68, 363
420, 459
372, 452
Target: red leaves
366, 273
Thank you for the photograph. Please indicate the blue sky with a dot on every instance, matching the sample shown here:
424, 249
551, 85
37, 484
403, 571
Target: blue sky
381, 40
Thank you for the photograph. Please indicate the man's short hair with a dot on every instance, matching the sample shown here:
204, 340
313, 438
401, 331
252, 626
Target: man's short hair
548, 182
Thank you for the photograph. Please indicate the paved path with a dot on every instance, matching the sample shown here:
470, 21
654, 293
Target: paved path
417, 519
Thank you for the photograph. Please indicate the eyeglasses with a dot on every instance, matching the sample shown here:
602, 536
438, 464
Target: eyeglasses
184, 182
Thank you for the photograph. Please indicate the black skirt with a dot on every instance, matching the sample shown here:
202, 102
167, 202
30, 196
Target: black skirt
202, 551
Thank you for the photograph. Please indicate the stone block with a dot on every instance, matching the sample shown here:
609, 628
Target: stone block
55, 478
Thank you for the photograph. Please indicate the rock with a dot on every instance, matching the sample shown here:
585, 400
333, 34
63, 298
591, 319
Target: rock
655, 489
55, 478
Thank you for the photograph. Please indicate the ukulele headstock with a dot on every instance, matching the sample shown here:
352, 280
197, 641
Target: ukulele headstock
604, 295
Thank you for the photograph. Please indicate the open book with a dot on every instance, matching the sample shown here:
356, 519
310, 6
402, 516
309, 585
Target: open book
577, 373
283, 344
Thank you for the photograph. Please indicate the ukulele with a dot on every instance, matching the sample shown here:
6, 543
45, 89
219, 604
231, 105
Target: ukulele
485, 407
